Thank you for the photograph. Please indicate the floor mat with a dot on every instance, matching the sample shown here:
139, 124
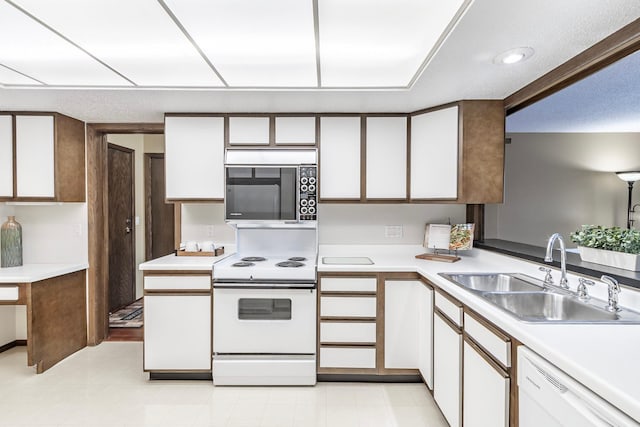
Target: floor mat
130, 316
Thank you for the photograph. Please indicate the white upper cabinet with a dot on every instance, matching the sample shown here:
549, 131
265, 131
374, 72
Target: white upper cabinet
194, 158
249, 130
386, 158
296, 130
340, 158
35, 167
6, 156
434, 154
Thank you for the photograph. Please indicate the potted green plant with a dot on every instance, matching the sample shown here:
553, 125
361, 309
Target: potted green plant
613, 246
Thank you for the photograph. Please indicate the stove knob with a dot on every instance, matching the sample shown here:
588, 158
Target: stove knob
304, 202
312, 210
312, 180
312, 202
303, 188
312, 188
304, 180
304, 210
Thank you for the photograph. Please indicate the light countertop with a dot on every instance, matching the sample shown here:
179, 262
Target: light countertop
185, 263
602, 357
28, 273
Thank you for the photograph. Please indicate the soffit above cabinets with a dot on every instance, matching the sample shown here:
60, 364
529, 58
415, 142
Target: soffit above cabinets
300, 44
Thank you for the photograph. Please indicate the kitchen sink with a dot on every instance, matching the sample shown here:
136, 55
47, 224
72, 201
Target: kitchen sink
495, 282
552, 307
529, 300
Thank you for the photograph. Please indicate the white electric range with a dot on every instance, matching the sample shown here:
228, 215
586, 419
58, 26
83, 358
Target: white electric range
264, 327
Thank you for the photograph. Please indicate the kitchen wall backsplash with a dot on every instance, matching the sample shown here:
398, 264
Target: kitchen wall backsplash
349, 224
51, 233
367, 224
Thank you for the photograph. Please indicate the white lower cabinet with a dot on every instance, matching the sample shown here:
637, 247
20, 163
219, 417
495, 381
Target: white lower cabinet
177, 332
402, 324
447, 369
485, 391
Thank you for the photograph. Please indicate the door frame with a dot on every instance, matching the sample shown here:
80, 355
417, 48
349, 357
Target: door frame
148, 212
132, 152
98, 227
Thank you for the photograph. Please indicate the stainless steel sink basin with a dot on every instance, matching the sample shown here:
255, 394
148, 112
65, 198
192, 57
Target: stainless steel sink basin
495, 282
551, 307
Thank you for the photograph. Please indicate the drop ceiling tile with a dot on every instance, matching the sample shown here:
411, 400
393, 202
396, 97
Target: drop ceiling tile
135, 37
254, 43
382, 43
10, 77
37, 52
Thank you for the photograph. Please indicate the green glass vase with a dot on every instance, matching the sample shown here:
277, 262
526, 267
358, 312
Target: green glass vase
11, 243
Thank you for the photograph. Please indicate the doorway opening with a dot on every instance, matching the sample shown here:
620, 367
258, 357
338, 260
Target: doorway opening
125, 164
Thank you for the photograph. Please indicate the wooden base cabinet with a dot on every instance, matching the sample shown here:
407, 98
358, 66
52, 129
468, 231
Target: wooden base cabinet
447, 369
177, 323
485, 390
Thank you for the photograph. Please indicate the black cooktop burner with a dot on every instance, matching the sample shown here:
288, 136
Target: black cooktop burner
254, 258
290, 264
297, 258
242, 264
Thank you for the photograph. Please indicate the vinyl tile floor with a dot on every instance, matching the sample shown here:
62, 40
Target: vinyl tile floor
105, 386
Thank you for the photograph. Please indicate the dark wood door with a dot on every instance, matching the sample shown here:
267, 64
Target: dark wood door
122, 273
159, 215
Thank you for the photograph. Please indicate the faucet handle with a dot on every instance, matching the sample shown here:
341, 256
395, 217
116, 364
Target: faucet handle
582, 288
614, 290
548, 279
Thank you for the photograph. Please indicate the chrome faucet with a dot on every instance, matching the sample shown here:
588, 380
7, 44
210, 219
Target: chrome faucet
614, 290
564, 283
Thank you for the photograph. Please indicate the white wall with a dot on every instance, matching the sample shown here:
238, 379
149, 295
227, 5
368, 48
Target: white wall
557, 182
338, 223
365, 223
141, 144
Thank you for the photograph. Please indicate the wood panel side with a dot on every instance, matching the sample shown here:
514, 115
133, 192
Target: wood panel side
98, 276
483, 152
58, 319
69, 159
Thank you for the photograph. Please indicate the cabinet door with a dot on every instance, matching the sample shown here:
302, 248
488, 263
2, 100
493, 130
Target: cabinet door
447, 367
296, 130
249, 130
340, 158
177, 332
386, 158
35, 156
425, 331
194, 158
486, 391
401, 324
434, 155
6, 156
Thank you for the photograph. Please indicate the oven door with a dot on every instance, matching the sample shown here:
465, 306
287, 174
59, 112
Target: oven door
265, 193
264, 321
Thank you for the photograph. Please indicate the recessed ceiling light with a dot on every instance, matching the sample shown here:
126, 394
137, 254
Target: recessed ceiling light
513, 56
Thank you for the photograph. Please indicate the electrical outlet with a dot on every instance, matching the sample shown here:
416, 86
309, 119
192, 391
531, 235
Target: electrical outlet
209, 230
393, 231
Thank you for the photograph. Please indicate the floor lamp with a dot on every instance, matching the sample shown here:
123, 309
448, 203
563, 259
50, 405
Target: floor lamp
630, 177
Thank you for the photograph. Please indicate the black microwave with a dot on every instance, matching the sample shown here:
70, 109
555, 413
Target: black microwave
271, 192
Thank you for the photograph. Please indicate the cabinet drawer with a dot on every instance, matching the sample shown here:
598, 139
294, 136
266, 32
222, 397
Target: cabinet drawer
451, 310
499, 347
351, 284
347, 357
9, 293
178, 283
348, 306
348, 332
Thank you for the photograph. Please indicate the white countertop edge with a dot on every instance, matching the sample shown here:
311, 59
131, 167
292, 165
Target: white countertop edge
35, 272
184, 263
578, 350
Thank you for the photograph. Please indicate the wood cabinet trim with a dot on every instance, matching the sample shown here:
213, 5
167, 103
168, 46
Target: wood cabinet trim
486, 357
347, 294
147, 273
490, 326
348, 320
348, 344
177, 292
446, 320
449, 297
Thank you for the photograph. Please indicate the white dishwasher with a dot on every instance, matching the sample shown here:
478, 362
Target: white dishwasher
548, 397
